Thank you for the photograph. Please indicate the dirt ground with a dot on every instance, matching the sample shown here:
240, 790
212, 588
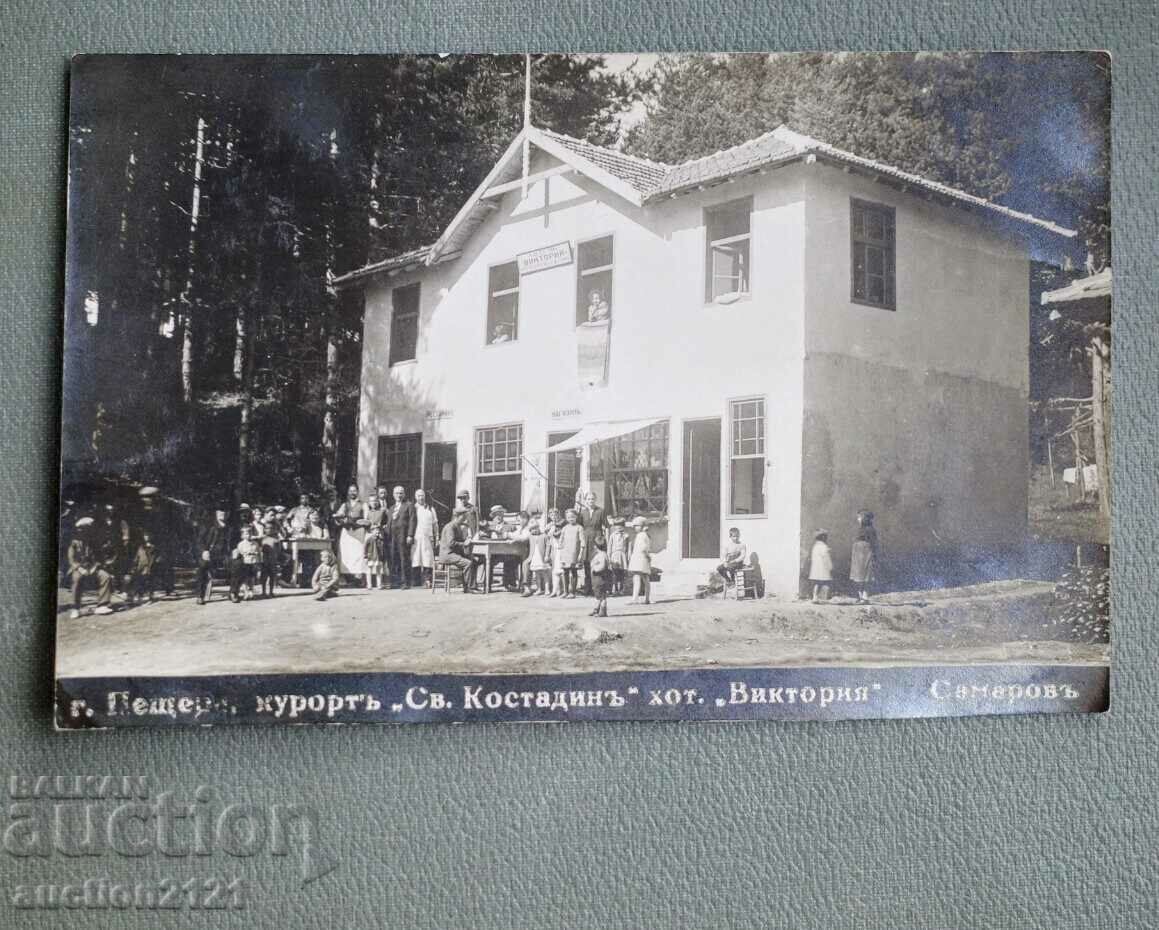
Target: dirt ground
419, 631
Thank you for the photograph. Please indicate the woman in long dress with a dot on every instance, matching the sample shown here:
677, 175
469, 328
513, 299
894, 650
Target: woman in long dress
351, 520
864, 556
426, 536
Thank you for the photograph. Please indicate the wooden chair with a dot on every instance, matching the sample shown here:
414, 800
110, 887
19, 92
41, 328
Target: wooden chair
744, 585
444, 577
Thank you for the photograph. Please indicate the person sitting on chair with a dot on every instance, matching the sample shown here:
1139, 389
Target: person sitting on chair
455, 549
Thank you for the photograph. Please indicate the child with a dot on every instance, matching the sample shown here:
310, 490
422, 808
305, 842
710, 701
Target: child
326, 580
555, 556
733, 557
600, 573
271, 549
821, 566
640, 563
863, 559
571, 549
538, 561
523, 532
617, 553
249, 551
141, 575
374, 549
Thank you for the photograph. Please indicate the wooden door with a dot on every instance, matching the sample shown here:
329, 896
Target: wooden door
701, 530
440, 471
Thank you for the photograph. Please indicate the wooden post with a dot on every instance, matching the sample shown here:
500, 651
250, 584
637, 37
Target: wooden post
1050, 460
1099, 385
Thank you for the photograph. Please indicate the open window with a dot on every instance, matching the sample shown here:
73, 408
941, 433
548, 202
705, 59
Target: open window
503, 303
593, 298
728, 250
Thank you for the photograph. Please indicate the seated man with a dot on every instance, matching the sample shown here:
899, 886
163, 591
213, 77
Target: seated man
84, 570
498, 528
454, 549
733, 556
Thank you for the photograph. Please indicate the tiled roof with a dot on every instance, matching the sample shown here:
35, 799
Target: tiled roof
641, 174
645, 181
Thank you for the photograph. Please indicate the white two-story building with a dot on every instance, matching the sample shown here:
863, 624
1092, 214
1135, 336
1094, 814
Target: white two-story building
770, 337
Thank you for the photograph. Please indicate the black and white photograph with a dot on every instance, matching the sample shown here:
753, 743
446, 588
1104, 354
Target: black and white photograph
421, 388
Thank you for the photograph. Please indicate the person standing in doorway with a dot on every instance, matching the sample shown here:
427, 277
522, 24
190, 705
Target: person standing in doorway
401, 522
426, 537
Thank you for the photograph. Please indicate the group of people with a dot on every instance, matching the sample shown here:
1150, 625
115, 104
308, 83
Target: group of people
863, 560
108, 555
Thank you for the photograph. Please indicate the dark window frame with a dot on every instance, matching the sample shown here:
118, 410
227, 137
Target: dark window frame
390, 479
395, 357
888, 246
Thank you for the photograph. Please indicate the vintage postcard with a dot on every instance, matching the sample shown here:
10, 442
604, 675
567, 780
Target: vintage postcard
558, 387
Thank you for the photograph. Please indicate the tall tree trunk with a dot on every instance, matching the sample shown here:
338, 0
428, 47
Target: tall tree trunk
330, 399
187, 291
245, 373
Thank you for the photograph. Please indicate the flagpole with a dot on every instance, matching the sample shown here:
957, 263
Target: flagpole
526, 123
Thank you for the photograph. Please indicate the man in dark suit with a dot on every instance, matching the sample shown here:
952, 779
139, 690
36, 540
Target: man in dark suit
593, 520
401, 519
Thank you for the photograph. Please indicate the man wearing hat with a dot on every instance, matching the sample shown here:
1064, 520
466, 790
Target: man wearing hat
85, 571
472, 512
497, 528
213, 545
454, 549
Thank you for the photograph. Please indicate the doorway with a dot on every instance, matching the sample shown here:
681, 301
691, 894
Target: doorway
701, 492
440, 471
563, 470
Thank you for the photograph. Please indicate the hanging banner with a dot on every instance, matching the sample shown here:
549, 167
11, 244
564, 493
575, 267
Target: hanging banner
592, 346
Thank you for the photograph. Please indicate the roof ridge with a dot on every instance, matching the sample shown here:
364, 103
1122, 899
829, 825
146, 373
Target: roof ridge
719, 152
603, 148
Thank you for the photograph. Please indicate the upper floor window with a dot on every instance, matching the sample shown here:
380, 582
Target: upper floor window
727, 259
871, 234
593, 297
503, 303
404, 323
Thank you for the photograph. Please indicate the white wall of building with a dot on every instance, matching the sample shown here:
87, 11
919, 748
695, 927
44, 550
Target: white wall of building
919, 414
671, 355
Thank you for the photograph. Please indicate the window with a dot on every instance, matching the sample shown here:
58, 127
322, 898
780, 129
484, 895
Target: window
400, 461
727, 265
404, 323
593, 296
872, 236
503, 303
748, 457
634, 470
499, 467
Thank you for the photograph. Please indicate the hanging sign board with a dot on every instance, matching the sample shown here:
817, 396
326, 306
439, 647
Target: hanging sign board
550, 256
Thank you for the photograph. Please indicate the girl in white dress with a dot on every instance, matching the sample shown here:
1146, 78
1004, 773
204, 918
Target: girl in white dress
426, 536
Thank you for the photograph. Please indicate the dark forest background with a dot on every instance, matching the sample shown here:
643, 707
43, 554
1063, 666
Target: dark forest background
211, 198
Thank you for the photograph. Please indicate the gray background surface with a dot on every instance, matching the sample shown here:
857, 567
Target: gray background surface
1021, 822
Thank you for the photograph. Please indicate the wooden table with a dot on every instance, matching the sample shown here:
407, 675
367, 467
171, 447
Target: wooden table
306, 544
517, 548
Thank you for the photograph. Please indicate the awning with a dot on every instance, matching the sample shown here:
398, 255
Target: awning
601, 430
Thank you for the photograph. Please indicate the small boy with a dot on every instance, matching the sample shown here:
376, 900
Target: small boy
600, 581
733, 557
326, 580
617, 553
821, 567
249, 551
